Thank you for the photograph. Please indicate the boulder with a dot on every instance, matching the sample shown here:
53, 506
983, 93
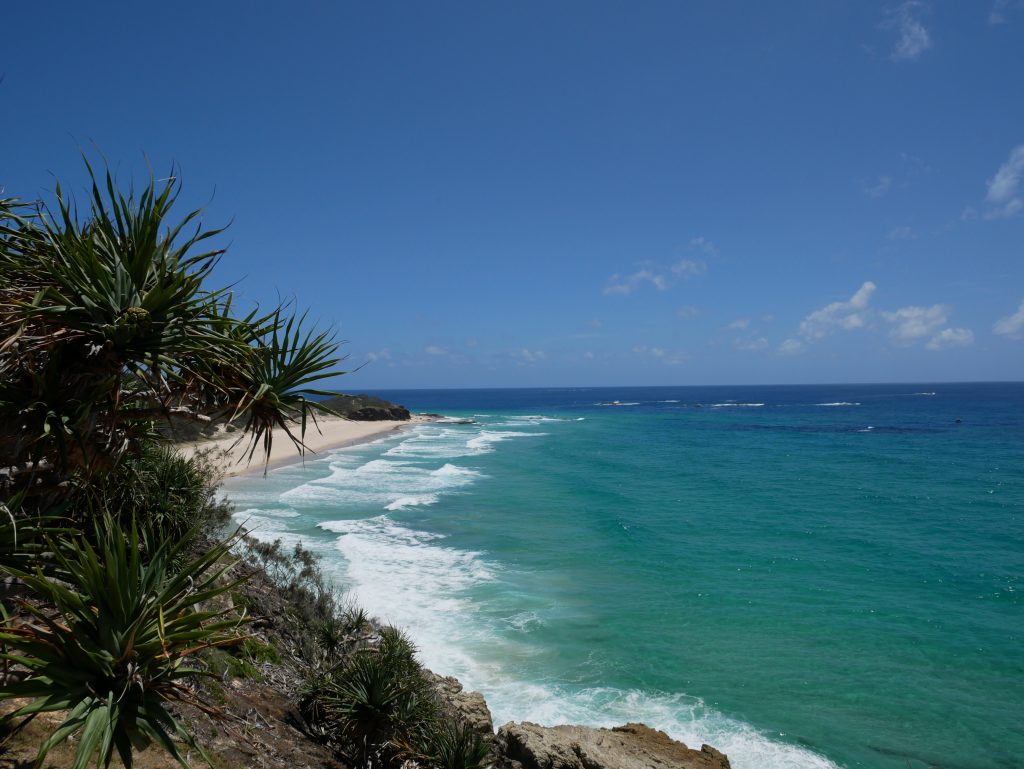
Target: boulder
633, 746
468, 707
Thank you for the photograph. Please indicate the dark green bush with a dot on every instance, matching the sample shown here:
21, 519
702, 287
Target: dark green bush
453, 745
112, 641
377, 704
173, 495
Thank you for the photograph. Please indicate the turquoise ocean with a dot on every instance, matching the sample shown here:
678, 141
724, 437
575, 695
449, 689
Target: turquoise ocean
813, 576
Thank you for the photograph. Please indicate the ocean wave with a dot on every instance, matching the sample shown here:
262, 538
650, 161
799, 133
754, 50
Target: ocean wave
732, 404
484, 442
412, 578
838, 403
409, 577
924, 393
618, 403
683, 717
415, 501
379, 482
449, 443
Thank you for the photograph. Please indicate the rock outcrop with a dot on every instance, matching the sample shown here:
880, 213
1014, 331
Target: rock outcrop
633, 746
467, 707
366, 408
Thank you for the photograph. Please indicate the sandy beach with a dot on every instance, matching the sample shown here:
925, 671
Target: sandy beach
333, 433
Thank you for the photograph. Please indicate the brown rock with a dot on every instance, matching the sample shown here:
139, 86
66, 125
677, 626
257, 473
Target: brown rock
633, 746
468, 707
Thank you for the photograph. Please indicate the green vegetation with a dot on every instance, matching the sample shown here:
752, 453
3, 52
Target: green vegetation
108, 325
379, 706
111, 640
119, 602
109, 329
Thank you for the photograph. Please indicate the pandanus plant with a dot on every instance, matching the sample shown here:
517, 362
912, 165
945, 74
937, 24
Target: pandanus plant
111, 643
108, 322
109, 326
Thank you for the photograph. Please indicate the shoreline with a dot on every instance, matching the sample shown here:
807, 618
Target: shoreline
329, 433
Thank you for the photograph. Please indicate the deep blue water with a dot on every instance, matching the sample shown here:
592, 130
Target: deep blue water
804, 576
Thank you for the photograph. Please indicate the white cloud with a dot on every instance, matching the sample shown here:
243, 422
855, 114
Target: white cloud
588, 355
669, 357
660, 276
472, 341
879, 188
433, 349
901, 233
687, 267
997, 14
846, 315
384, 354
913, 39
1012, 325
951, 337
618, 284
1003, 187
792, 347
704, 245
525, 356
739, 324
914, 323
687, 311
750, 344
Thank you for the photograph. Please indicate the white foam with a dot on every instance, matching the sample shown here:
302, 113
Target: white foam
733, 404
403, 502
484, 442
838, 403
409, 577
683, 717
379, 483
924, 393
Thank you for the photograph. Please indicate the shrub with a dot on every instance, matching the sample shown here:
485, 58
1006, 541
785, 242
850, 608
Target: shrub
173, 495
454, 745
108, 325
377, 704
113, 647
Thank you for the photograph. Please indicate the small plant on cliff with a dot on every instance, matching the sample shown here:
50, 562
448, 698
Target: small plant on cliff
112, 643
454, 745
376, 704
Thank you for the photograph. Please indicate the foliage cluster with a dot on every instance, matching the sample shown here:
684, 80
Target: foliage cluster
108, 324
109, 641
109, 327
380, 707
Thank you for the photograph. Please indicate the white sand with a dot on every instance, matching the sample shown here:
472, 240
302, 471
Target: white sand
333, 433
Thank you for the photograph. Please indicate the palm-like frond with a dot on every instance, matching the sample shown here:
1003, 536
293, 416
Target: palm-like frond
108, 322
272, 383
114, 649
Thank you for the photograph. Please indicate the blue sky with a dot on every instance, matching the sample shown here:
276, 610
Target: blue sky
572, 193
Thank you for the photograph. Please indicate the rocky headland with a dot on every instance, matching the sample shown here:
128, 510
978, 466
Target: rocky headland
366, 408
